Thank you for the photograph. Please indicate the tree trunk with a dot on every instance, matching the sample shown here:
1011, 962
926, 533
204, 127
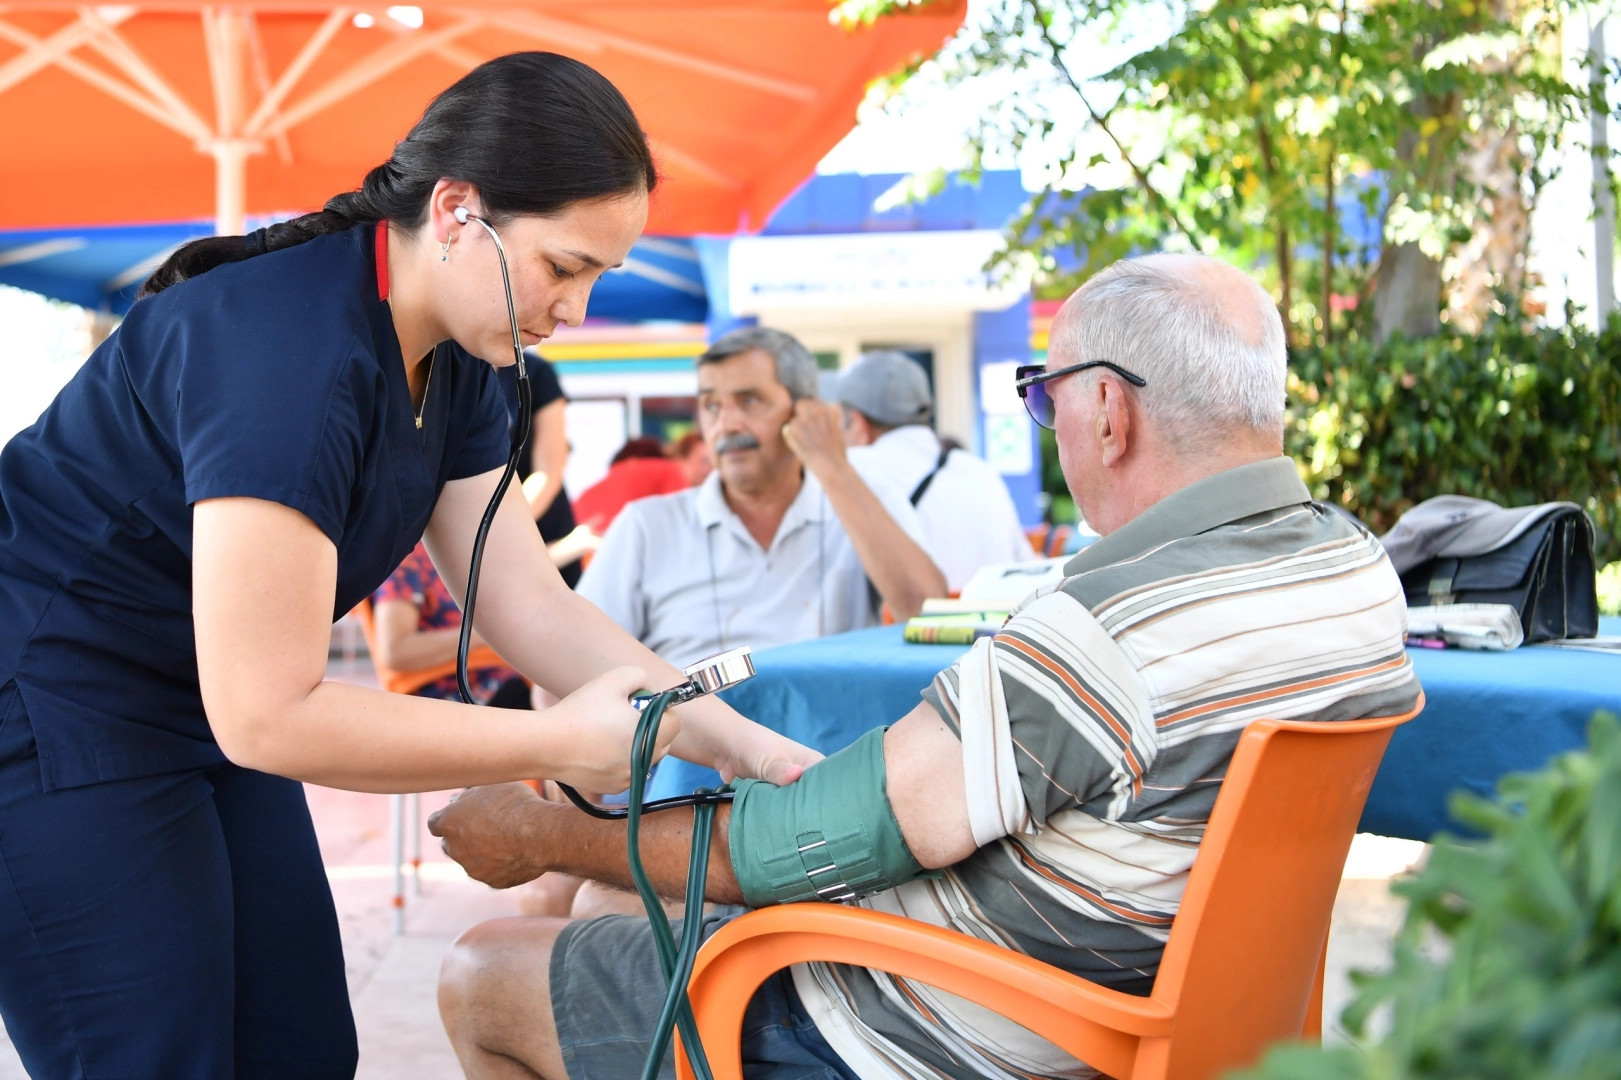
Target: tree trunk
1493, 259
1286, 273
1407, 296
1284, 249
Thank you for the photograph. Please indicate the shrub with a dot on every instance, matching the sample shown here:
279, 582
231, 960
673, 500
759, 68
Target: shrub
1509, 964
1515, 414
1609, 589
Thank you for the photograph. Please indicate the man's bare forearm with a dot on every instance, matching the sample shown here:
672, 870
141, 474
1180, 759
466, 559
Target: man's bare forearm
575, 843
900, 569
505, 834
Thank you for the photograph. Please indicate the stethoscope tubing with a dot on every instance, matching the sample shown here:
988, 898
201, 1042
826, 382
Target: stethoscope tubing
520, 436
676, 958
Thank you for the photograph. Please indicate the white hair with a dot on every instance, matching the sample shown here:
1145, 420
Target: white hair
1206, 338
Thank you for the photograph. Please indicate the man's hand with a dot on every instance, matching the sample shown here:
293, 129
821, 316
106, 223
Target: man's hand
505, 835
899, 569
816, 435
494, 832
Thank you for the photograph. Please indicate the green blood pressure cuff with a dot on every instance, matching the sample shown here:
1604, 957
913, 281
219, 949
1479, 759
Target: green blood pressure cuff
830, 835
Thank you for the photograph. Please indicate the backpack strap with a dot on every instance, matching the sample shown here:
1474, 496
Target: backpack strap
923, 484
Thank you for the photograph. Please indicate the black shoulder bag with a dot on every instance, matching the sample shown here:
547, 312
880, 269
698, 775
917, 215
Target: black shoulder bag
1546, 574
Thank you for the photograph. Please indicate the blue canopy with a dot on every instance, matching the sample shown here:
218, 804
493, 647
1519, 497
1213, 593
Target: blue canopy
103, 267
99, 268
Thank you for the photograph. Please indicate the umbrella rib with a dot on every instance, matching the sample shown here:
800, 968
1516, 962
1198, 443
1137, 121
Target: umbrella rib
110, 44
564, 34
367, 71
224, 70
261, 77
693, 164
563, 31
670, 249
214, 48
141, 270
312, 50
43, 249
660, 276
101, 81
41, 53
455, 54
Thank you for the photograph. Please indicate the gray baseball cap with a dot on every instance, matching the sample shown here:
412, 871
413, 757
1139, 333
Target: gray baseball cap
888, 387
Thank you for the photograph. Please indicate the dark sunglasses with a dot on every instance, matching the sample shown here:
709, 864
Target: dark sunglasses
1030, 381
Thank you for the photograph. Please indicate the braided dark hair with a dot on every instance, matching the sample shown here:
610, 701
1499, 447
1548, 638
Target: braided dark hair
535, 132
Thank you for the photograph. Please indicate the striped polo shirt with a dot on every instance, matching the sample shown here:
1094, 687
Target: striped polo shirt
1097, 727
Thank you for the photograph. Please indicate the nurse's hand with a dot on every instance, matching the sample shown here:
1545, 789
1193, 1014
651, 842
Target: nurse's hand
714, 734
592, 750
491, 832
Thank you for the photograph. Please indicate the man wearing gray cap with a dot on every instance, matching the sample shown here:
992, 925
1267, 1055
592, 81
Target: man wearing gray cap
967, 514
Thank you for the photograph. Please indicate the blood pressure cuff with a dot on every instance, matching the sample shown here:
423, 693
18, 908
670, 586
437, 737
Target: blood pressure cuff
831, 835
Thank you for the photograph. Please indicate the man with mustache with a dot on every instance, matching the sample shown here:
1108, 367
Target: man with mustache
782, 542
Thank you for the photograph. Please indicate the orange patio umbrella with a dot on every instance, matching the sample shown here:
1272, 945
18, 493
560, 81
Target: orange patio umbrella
174, 110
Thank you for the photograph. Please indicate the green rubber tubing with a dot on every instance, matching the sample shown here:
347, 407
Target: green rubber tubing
675, 958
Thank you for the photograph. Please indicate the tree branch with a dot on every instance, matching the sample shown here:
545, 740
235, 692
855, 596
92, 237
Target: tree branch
1102, 122
1269, 163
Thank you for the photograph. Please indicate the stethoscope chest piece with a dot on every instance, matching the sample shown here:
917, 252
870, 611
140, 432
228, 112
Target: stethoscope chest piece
711, 674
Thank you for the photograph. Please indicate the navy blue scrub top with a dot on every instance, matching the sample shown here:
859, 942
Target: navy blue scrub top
278, 378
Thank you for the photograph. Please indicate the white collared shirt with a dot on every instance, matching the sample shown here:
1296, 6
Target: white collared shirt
967, 514
682, 574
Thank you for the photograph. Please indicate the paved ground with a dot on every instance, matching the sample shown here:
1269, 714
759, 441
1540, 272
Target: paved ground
391, 978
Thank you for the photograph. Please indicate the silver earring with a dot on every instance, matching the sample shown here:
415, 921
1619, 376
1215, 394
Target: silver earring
444, 251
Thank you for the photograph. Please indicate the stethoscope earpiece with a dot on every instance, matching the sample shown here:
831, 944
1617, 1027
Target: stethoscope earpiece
461, 215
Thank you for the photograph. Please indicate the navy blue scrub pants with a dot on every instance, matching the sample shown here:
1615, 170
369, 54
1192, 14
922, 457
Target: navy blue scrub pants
165, 928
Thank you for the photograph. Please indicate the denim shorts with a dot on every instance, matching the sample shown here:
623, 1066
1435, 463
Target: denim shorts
607, 989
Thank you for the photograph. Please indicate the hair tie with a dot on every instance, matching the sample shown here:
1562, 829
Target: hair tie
254, 242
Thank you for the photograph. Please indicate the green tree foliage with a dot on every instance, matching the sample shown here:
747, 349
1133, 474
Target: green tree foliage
1244, 132
1509, 964
1513, 414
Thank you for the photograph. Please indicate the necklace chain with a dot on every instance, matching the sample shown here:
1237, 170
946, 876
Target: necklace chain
432, 357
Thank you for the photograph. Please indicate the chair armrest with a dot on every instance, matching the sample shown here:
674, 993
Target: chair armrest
1099, 1026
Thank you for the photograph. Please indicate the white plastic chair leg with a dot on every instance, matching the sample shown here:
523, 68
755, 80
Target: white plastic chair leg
396, 807
414, 816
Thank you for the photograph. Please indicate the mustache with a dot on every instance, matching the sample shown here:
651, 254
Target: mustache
736, 440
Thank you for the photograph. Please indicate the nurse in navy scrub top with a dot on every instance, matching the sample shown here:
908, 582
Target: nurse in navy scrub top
266, 436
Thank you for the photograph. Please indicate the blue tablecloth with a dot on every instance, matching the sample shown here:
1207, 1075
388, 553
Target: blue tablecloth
1487, 714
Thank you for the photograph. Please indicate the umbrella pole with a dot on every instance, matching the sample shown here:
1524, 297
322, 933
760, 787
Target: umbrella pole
230, 186
226, 34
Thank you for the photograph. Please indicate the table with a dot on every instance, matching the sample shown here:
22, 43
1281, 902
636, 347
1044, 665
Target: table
1487, 714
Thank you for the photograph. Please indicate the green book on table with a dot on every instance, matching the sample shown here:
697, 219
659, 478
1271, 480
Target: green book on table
961, 628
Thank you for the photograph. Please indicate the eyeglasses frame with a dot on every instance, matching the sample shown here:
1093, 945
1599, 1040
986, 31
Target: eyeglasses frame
1023, 382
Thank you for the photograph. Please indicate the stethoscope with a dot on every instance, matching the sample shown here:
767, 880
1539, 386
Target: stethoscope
705, 677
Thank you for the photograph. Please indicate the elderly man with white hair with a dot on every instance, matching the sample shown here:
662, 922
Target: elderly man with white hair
1051, 790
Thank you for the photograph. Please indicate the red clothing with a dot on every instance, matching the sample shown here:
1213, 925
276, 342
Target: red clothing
631, 479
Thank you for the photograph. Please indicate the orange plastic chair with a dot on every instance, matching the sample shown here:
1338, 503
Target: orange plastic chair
1243, 967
